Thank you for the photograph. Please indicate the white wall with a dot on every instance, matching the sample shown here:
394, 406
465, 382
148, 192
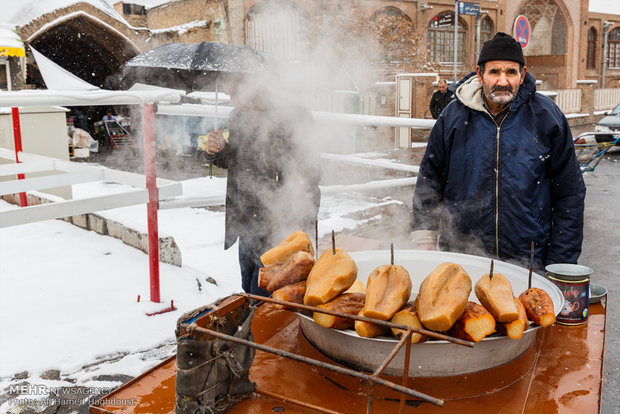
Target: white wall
44, 132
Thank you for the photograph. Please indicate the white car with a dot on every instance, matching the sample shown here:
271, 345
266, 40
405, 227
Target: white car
611, 124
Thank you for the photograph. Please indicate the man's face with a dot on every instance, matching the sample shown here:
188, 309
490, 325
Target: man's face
501, 80
443, 87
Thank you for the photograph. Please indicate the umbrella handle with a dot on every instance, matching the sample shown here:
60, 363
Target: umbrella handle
216, 91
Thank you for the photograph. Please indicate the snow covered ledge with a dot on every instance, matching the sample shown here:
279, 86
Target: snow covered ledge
169, 252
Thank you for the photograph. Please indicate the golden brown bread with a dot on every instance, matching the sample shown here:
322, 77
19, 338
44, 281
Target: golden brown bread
497, 297
330, 276
369, 330
295, 269
350, 303
515, 328
443, 296
408, 316
290, 293
297, 241
388, 289
474, 324
356, 287
538, 306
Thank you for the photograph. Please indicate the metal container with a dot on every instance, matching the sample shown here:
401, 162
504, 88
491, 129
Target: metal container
433, 358
574, 282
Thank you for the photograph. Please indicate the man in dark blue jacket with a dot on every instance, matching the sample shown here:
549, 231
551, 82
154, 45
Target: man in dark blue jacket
500, 170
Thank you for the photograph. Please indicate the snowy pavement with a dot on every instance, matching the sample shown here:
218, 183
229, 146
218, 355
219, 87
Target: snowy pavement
69, 314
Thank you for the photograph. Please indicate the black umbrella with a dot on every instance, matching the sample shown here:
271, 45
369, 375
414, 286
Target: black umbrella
192, 66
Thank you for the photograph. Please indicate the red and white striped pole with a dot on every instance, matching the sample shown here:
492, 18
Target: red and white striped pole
148, 121
17, 137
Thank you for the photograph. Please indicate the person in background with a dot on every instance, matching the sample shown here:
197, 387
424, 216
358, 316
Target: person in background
500, 170
440, 99
273, 174
109, 116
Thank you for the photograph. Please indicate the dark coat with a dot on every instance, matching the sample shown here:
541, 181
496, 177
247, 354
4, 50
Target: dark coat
273, 175
498, 188
439, 101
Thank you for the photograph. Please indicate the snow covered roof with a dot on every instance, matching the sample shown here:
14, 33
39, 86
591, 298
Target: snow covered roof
20, 13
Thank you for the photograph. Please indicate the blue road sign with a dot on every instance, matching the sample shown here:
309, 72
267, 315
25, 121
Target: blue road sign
522, 30
472, 9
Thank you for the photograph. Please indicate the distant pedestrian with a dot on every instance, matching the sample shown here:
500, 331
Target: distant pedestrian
441, 98
109, 116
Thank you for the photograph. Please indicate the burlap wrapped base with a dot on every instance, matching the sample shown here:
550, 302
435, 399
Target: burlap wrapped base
212, 375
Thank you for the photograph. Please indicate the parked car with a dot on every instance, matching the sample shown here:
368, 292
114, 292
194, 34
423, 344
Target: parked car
611, 124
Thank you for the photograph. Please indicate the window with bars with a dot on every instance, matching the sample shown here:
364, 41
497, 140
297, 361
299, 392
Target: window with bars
558, 35
613, 48
486, 30
591, 52
441, 42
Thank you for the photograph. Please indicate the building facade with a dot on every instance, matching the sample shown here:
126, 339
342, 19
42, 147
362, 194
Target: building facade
566, 43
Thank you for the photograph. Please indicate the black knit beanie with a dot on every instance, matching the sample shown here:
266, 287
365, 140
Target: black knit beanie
501, 47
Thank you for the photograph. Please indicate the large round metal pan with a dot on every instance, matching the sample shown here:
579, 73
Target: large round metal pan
435, 358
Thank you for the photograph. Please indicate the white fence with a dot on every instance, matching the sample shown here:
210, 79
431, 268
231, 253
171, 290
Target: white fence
569, 100
607, 98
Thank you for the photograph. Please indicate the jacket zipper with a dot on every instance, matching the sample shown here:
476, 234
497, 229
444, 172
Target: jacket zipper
499, 126
497, 192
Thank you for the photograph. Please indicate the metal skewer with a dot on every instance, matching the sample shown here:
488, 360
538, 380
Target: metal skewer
529, 281
316, 239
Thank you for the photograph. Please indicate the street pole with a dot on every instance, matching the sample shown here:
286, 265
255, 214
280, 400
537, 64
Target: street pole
148, 125
456, 44
477, 36
17, 137
606, 26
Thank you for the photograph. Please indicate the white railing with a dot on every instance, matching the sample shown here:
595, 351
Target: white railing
68, 173
569, 100
607, 98
337, 101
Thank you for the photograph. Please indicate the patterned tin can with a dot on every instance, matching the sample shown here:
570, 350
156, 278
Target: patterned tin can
574, 282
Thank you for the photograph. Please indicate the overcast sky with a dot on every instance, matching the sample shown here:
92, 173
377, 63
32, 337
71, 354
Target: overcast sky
605, 6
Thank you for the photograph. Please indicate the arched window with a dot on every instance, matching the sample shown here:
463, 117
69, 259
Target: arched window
486, 30
591, 53
441, 40
613, 48
279, 27
549, 33
558, 35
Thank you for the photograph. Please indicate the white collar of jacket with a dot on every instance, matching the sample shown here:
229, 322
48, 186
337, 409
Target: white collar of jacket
470, 94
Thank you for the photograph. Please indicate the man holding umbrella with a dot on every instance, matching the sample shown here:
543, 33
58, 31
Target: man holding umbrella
273, 173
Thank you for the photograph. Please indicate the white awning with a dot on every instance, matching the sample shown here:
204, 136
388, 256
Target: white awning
58, 78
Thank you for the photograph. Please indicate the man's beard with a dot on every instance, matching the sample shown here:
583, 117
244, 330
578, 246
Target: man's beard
500, 99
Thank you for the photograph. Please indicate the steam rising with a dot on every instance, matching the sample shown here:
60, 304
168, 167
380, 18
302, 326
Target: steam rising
339, 62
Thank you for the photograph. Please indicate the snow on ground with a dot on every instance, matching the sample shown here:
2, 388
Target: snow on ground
68, 296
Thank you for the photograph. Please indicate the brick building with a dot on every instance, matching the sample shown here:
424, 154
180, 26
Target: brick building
566, 42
